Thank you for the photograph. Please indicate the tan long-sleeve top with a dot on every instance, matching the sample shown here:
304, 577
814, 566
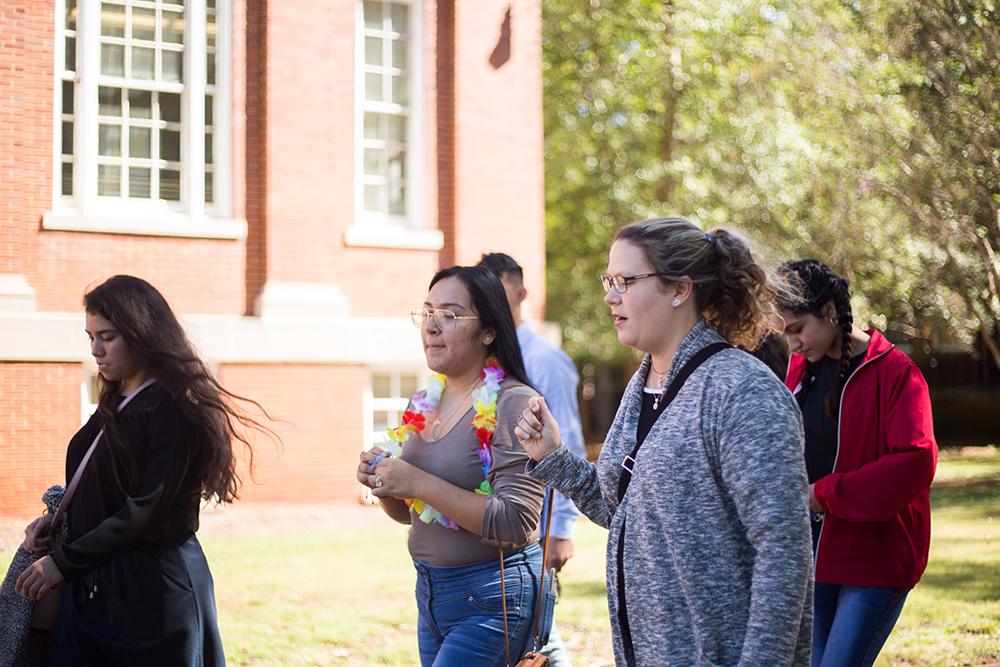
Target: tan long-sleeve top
512, 512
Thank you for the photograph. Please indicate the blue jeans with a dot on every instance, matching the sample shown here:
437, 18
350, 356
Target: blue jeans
460, 616
851, 623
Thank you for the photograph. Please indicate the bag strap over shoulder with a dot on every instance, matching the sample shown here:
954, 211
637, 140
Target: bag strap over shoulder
75, 482
676, 384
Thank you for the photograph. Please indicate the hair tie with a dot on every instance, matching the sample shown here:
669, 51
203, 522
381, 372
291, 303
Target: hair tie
710, 237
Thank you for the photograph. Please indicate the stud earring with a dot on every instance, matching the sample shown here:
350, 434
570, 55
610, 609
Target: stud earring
677, 302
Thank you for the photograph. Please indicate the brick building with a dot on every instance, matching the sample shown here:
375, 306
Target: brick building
288, 174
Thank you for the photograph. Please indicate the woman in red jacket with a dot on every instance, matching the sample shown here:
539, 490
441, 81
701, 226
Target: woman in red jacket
870, 456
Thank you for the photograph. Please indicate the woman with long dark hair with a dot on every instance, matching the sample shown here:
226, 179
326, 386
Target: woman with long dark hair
700, 481
870, 455
138, 589
455, 473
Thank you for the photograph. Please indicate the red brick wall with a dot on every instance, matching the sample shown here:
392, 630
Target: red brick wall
39, 412
40, 409
309, 152
322, 406
195, 275
293, 172
499, 154
26, 150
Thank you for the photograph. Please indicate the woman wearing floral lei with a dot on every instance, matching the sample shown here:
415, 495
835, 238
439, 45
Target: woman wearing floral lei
454, 471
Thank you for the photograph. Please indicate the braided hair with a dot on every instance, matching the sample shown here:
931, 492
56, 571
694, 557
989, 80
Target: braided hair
815, 285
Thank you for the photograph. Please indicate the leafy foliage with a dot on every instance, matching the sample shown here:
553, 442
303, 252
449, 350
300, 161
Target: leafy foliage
787, 120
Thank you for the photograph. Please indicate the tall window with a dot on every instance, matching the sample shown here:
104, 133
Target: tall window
67, 103
389, 54
139, 92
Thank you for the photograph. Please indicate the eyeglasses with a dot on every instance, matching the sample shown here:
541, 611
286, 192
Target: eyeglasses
621, 283
443, 319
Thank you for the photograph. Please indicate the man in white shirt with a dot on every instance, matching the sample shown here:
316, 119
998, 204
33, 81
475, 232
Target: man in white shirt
553, 374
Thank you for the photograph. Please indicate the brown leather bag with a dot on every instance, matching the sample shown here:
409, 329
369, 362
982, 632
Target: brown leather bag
531, 658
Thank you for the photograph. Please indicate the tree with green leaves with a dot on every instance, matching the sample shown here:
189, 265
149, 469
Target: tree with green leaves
784, 119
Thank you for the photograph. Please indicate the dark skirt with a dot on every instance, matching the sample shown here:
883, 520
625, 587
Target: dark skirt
142, 608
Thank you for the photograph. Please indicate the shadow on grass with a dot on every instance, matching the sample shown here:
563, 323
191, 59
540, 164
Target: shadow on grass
961, 579
978, 495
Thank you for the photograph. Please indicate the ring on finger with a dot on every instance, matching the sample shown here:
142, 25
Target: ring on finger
378, 480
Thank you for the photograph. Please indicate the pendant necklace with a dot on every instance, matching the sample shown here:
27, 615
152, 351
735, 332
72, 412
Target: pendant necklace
659, 385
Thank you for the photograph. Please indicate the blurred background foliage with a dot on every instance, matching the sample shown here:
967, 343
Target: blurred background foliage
866, 134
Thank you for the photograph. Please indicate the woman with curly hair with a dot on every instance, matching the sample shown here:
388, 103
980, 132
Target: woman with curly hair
708, 558
870, 455
138, 589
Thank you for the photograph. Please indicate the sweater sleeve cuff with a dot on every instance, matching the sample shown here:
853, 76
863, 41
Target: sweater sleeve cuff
551, 469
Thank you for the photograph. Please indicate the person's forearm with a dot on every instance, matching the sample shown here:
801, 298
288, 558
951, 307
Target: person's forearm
465, 508
395, 509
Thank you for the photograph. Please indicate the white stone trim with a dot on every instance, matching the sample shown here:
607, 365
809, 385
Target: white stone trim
16, 293
391, 236
301, 302
231, 339
165, 223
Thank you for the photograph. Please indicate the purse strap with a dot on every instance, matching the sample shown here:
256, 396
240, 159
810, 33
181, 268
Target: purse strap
541, 583
75, 482
676, 384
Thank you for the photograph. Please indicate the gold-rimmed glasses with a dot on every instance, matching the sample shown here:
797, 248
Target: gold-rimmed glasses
443, 319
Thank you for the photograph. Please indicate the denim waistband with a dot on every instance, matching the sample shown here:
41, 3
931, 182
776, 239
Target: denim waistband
455, 573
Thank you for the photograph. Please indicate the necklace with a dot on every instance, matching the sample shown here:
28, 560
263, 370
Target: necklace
659, 384
484, 422
446, 420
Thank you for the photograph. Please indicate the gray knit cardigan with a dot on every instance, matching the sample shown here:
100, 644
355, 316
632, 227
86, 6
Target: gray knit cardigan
717, 561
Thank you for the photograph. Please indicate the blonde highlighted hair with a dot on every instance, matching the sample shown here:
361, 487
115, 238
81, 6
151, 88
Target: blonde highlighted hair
733, 290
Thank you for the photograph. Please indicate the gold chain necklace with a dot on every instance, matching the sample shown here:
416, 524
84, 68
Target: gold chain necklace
439, 420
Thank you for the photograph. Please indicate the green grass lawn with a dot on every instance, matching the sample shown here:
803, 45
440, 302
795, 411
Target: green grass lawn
347, 597
288, 595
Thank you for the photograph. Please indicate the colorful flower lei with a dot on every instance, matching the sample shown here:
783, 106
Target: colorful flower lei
484, 400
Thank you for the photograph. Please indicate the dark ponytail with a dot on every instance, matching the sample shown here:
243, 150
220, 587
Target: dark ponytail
815, 285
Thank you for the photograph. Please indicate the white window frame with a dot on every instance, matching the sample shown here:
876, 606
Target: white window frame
90, 395
395, 403
386, 230
85, 210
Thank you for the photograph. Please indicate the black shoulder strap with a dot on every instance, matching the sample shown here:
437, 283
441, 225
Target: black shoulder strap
675, 386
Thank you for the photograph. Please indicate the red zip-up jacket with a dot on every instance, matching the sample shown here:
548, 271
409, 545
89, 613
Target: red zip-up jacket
877, 529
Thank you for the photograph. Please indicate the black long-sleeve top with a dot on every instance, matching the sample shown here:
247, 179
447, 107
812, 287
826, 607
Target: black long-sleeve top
139, 489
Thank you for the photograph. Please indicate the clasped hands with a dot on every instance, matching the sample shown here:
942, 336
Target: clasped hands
388, 476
